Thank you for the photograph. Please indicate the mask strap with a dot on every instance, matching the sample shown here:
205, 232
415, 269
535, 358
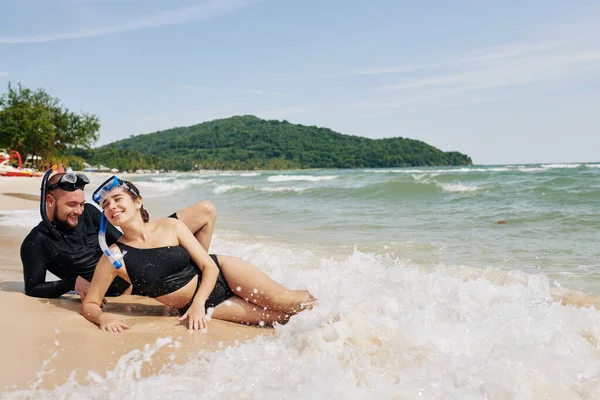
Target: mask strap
43, 191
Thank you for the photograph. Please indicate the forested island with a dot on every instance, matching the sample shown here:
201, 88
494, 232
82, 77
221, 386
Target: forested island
37, 125
248, 142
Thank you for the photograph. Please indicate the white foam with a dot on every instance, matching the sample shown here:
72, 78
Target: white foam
385, 330
163, 178
420, 177
23, 218
249, 174
385, 171
560, 166
310, 178
457, 187
169, 186
435, 171
531, 169
592, 165
226, 188
278, 189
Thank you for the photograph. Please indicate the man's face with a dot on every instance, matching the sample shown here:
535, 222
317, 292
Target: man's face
66, 207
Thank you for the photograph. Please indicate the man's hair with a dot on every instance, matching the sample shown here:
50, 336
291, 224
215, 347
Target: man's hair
52, 180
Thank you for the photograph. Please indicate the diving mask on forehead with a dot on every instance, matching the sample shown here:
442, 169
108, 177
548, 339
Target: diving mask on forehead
111, 183
70, 182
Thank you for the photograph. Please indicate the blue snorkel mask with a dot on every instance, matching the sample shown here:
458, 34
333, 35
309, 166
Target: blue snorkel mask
111, 183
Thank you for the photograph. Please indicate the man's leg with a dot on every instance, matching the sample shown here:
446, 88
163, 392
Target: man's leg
200, 218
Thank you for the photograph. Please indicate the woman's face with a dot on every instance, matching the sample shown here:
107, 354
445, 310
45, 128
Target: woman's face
119, 207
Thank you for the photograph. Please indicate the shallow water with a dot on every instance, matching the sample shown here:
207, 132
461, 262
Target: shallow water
422, 292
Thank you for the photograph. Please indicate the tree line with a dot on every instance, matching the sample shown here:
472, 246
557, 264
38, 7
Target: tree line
248, 142
35, 123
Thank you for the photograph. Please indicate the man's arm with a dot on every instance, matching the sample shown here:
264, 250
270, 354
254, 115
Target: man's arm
35, 265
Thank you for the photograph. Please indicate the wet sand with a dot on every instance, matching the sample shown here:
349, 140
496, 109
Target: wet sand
45, 341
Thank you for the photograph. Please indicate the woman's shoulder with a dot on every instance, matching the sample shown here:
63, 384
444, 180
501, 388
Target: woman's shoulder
165, 228
164, 223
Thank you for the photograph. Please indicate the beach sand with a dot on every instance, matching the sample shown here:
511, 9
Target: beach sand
43, 341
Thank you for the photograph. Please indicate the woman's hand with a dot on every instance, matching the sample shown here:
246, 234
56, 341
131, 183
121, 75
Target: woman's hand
109, 323
196, 316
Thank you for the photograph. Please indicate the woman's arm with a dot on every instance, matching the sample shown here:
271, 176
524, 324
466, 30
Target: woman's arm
91, 309
209, 269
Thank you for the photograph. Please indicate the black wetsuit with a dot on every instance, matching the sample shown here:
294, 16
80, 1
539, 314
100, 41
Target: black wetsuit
74, 254
158, 271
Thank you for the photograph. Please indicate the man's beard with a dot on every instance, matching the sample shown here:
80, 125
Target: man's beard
62, 225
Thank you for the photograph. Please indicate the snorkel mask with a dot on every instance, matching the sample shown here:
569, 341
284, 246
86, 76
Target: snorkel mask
111, 183
69, 182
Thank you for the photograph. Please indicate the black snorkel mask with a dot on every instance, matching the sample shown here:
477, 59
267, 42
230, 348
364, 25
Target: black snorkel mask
69, 182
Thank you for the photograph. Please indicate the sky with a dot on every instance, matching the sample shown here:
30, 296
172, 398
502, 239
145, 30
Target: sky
506, 82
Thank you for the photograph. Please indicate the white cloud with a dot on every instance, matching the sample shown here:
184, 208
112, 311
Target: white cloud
491, 54
3, 73
262, 92
208, 10
496, 74
191, 87
518, 69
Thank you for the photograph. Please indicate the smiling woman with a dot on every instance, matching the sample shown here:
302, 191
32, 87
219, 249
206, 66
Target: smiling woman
163, 260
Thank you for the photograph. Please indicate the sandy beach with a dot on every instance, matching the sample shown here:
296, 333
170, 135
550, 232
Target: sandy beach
45, 341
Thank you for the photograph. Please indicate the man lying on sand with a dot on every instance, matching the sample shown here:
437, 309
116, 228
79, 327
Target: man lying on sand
66, 241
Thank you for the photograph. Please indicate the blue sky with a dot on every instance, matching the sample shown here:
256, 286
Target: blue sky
504, 81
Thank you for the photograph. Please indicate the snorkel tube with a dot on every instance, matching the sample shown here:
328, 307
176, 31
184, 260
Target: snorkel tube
97, 196
102, 240
53, 231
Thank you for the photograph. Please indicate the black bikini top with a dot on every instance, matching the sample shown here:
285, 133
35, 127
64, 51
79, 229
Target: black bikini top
158, 271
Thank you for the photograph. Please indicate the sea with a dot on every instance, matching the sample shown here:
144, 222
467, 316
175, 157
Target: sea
433, 283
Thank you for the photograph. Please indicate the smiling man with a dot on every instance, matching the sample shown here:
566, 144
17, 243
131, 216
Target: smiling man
66, 244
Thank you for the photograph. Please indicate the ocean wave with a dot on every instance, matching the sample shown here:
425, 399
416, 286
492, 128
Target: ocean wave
425, 170
172, 186
420, 177
383, 329
531, 169
309, 178
477, 169
457, 187
163, 178
278, 189
393, 171
226, 188
560, 166
248, 174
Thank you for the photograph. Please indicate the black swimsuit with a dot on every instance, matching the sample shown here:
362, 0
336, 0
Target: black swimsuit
158, 271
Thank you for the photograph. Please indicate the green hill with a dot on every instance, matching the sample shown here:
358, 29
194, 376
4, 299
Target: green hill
248, 142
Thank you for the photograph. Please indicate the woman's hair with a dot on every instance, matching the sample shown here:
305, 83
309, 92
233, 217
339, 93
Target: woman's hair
143, 212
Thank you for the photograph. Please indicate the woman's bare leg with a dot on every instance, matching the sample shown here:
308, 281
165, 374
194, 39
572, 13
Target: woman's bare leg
253, 285
200, 218
236, 309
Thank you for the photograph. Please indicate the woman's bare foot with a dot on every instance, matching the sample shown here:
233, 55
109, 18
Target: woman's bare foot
307, 302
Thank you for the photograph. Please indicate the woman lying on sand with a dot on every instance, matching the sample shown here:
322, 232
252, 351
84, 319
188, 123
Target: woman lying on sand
162, 259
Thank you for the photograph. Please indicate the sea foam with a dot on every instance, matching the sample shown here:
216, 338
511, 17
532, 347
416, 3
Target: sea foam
21, 218
310, 178
385, 329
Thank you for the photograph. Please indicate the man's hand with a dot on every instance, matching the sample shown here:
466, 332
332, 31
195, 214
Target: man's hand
82, 286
